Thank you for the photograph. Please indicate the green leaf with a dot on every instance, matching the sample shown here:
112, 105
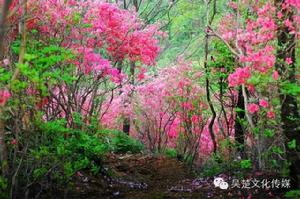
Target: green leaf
29, 57
37, 173
77, 17
292, 144
293, 194
246, 164
290, 88
255, 79
269, 133
277, 150
68, 169
34, 31
87, 25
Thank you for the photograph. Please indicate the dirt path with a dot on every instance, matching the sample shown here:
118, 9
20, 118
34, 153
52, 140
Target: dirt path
159, 174
151, 177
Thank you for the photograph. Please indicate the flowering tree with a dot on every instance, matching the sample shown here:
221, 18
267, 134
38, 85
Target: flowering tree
170, 110
71, 56
253, 42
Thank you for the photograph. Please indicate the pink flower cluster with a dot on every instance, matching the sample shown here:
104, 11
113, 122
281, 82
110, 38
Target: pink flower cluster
89, 27
253, 43
255, 46
239, 77
262, 60
253, 108
4, 96
263, 103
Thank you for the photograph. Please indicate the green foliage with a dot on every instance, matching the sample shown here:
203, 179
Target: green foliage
68, 150
3, 187
221, 64
218, 164
63, 151
221, 58
211, 168
43, 64
3, 183
121, 143
261, 80
186, 29
277, 150
292, 194
269, 133
170, 152
4, 76
290, 88
246, 164
292, 144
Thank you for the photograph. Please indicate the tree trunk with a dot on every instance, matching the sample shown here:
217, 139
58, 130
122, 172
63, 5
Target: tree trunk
126, 122
238, 128
3, 149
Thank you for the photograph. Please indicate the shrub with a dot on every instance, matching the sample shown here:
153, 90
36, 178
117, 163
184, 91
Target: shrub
122, 143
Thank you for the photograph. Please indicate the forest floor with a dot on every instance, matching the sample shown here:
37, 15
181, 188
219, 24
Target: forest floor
139, 176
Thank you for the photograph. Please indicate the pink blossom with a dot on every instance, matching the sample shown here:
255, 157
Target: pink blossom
279, 15
194, 118
251, 88
173, 133
187, 105
289, 24
239, 77
275, 75
4, 96
294, 3
263, 103
289, 60
141, 75
233, 5
253, 108
13, 142
6, 62
114, 72
271, 115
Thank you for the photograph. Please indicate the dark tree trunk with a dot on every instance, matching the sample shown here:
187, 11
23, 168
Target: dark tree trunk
126, 122
3, 147
126, 126
238, 128
289, 107
208, 98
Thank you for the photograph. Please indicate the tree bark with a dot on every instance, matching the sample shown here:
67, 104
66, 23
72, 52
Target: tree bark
238, 128
3, 148
209, 20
